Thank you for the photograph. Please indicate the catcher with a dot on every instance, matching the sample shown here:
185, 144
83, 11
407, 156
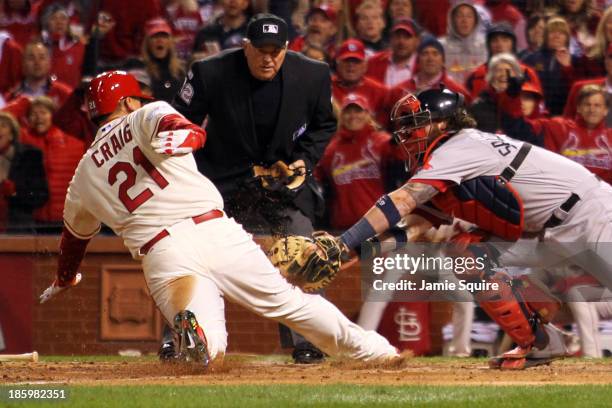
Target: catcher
508, 189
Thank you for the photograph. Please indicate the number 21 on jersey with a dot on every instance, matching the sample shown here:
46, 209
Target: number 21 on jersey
131, 204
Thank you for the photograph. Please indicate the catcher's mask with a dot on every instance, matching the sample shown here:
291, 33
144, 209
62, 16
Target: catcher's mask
411, 114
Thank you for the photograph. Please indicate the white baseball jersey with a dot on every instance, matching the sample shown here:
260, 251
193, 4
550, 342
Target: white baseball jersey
543, 181
124, 184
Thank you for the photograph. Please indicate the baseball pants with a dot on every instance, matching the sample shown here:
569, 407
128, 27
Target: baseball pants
197, 266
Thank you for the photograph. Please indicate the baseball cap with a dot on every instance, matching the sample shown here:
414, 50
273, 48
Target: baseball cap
355, 99
404, 25
157, 26
327, 9
267, 29
502, 28
532, 88
430, 41
351, 48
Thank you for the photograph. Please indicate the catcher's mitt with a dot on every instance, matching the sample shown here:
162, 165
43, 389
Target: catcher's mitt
309, 263
279, 177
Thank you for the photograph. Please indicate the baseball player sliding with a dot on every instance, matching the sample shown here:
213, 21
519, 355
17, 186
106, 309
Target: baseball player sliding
507, 188
140, 179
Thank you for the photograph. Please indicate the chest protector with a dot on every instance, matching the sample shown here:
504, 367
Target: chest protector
490, 202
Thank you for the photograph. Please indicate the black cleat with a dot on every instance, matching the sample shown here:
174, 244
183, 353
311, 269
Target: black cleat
193, 346
307, 354
167, 352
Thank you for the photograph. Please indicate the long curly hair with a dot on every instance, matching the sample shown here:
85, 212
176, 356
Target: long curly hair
176, 66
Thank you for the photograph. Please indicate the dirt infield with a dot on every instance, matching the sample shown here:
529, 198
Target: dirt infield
255, 370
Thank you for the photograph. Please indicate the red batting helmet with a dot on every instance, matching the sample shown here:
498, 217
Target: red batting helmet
107, 89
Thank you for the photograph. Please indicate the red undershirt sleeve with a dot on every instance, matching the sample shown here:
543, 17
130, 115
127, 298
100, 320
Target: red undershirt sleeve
72, 251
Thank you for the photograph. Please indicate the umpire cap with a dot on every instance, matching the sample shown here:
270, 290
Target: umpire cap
267, 29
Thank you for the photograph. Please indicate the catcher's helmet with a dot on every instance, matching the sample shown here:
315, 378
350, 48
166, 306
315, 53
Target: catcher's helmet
107, 89
412, 114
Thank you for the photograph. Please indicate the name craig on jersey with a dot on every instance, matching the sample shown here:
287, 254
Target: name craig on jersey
112, 146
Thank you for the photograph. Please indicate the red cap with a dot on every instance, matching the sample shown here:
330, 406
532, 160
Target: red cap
327, 9
157, 26
107, 89
609, 50
351, 48
355, 99
404, 25
530, 87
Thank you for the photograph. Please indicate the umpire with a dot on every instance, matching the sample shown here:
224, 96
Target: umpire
262, 104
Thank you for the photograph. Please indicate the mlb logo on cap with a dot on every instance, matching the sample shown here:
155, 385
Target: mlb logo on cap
267, 29
270, 28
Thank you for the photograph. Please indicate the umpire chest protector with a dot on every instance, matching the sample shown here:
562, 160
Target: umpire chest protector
490, 202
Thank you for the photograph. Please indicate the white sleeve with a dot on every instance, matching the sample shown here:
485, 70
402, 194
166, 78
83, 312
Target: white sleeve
458, 160
147, 119
80, 222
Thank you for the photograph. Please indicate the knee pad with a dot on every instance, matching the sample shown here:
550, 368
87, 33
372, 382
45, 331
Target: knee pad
538, 297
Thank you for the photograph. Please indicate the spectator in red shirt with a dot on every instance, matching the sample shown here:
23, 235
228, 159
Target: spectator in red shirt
605, 82
351, 66
19, 18
430, 73
370, 26
485, 108
585, 139
11, 56
390, 67
186, 20
37, 79
61, 155
354, 162
500, 39
321, 29
67, 50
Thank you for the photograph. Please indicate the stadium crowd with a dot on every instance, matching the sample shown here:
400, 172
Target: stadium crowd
378, 50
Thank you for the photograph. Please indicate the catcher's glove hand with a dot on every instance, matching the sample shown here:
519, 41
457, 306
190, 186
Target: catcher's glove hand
280, 177
309, 263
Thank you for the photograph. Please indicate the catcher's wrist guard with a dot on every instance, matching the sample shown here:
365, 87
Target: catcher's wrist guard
309, 263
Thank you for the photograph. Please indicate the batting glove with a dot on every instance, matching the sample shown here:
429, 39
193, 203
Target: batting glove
176, 142
55, 288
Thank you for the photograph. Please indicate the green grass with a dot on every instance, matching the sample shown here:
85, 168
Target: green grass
329, 396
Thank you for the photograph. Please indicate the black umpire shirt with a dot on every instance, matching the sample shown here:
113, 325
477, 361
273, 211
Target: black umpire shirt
220, 89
